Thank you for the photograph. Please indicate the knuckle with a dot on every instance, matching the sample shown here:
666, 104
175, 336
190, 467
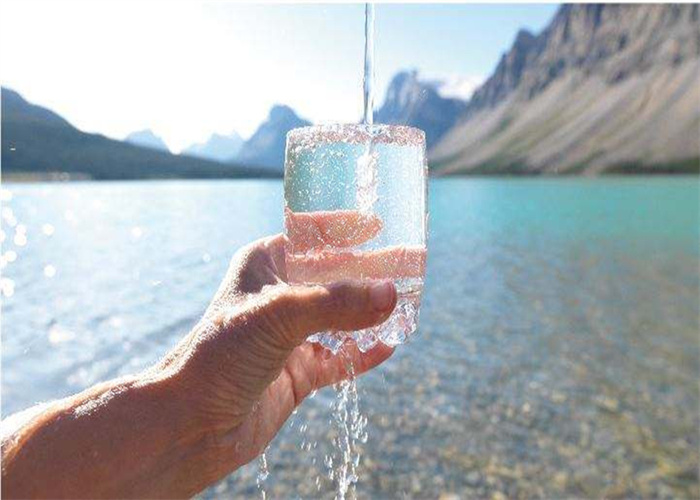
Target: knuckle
280, 302
345, 298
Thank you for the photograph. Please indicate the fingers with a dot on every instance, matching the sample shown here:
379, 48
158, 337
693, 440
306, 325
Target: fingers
275, 246
387, 263
301, 311
338, 228
333, 369
253, 267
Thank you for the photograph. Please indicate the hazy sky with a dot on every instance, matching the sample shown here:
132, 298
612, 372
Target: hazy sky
187, 69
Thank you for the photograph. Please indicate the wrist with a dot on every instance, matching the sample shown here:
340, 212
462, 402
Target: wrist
197, 437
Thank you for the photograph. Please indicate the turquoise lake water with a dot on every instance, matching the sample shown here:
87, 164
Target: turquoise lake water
557, 353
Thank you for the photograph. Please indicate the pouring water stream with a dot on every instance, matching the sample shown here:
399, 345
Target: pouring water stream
350, 425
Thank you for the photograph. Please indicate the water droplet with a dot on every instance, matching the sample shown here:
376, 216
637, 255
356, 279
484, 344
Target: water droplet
58, 334
47, 229
7, 286
9, 216
69, 215
263, 473
20, 239
49, 271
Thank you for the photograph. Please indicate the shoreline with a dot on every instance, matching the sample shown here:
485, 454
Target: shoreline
619, 172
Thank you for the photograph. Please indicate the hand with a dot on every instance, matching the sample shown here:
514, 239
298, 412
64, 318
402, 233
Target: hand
247, 365
217, 399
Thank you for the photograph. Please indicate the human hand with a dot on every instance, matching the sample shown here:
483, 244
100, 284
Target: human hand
219, 397
247, 365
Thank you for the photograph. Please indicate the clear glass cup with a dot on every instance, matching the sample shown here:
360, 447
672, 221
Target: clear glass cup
355, 209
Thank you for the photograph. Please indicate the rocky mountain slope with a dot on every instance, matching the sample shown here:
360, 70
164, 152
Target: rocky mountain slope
39, 142
147, 139
412, 101
265, 148
612, 87
224, 148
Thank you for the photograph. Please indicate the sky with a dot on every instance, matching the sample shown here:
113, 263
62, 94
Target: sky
187, 69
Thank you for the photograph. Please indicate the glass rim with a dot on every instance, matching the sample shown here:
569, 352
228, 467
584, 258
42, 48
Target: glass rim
358, 133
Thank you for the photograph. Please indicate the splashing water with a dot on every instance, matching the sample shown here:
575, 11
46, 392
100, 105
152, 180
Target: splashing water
263, 473
366, 181
349, 422
317, 161
351, 432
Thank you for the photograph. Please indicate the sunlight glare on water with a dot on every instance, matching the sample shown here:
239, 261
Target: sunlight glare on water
536, 372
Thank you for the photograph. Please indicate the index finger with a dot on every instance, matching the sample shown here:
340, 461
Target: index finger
337, 228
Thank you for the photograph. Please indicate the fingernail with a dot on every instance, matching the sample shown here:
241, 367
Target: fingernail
381, 295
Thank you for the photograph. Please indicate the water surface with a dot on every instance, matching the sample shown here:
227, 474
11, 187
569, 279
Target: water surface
557, 353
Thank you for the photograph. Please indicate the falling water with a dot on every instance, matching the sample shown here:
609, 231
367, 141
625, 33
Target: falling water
350, 424
368, 80
351, 431
367, 163
263, 473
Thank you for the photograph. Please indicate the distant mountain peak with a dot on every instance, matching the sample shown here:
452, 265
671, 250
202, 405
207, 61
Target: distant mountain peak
458, 86
37, 141
218, 147
148, 139
280, 112
14, 105
524, 37
412, 101
612, 40
265, 148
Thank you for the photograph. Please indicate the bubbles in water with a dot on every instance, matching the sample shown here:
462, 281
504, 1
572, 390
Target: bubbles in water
396, 330
366, 179
47, 229
49, 271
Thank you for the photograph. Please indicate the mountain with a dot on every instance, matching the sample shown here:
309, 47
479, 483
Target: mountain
603, 88
218, 147
147, 139
458, 87
418, 103
38, 142
266, 146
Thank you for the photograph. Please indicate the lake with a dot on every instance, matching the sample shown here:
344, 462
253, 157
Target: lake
557, 353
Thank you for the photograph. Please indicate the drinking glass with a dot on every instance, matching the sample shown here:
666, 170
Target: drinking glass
355, 209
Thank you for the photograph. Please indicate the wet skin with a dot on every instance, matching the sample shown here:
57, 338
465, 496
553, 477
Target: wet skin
217, 399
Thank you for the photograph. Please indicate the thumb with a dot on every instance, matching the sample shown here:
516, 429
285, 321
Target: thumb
345, 306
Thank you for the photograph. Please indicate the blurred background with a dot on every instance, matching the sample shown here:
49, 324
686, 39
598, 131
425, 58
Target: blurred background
558, 352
